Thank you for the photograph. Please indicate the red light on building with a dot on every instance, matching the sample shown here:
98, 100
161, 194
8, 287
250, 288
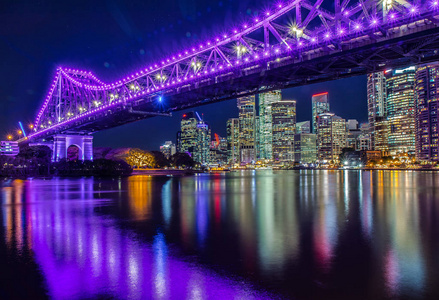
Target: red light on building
321, 94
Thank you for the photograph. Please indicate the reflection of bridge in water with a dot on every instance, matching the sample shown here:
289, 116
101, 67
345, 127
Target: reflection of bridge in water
292, 44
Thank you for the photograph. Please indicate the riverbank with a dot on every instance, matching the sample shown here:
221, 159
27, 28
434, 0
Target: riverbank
163, 172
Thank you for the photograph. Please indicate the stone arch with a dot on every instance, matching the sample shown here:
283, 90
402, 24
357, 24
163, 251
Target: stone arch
74, 152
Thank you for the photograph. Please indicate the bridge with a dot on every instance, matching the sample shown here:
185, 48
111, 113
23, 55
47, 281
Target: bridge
291, 44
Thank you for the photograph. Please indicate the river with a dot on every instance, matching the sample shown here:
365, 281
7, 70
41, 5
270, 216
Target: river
240, 235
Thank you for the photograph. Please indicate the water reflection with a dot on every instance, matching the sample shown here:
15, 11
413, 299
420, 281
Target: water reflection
304, 234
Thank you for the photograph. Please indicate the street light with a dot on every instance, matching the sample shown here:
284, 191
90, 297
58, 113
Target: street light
9, 137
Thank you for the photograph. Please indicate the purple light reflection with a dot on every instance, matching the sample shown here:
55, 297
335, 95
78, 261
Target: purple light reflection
84, 255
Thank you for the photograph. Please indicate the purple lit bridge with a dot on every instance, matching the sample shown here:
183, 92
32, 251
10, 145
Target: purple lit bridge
291, 44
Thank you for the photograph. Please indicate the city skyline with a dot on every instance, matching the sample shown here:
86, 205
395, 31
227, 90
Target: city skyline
217, 114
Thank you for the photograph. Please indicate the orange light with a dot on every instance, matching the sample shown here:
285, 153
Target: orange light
20, 132
31, 126
9, 137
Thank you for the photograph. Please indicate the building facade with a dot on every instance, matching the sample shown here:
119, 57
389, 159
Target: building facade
305, 148
233, 141
427, 108
401, 111
331, 137
376, 102
266, 101
320, 105
187, 137
303, 127
247, 115
202, 148
168, 149
284, 128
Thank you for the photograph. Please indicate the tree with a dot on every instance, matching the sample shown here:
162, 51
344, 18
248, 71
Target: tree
160, 159
140, 158
43, 153
182, 160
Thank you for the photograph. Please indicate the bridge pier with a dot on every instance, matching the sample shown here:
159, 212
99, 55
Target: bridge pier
62, 142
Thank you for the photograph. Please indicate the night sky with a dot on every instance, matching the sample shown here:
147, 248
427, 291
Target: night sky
113, 38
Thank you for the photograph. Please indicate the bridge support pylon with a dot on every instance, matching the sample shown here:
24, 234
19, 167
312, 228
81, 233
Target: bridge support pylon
62, 142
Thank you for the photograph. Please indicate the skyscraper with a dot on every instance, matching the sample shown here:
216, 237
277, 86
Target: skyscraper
331, 137
168, 149
202, 148
284, 128
188, 136
233, 141
247, 114
427, 131
381, 136
305, 148
376, 103
320, 105
401, 116
266, 122
194, 137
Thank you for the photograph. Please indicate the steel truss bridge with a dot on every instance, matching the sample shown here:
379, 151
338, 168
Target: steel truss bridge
291, 44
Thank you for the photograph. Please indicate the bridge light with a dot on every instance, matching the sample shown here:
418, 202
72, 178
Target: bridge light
20, 132
9, 137
160, 98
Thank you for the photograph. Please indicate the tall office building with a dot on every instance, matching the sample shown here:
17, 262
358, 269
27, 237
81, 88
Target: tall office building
168, 149
284, 128
320, 105
265, 140
305, 148
194, 137
187, 137
380, 141
331, 137
233, 141
247, 115
202, 148
401, 113
376, 104
427, 131
303, 127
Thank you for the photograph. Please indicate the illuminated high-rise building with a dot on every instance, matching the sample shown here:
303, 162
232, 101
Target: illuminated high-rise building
187, 139
320, 105
194, 137
168, 149
376, 104
305, 148
247, 115
284, 128
331, 137
401, 111
266, 101
381, 136
233, 140
427, 131
202, 148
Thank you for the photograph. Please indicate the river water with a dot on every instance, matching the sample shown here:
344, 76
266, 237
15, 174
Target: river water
239, 235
